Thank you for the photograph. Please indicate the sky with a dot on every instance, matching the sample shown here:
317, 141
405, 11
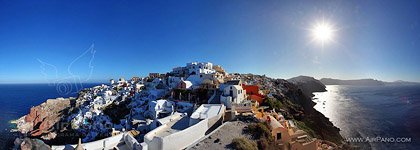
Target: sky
90, 41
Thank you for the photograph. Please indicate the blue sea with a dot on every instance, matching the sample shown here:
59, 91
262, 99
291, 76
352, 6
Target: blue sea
384, 117
17, 99
359, 111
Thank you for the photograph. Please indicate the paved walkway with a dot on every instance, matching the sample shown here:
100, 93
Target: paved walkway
221, 138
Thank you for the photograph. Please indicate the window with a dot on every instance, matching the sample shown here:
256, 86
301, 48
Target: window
278, 136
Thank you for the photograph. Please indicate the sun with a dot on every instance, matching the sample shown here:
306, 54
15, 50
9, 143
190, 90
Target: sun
323, 32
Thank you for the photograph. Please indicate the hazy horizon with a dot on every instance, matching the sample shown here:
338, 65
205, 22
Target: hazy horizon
49, 41
107, 80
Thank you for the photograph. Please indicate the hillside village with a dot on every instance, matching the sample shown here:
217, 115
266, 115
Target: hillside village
174, 110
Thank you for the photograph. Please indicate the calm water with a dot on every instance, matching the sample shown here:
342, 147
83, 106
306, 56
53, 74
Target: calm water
374, 111
17, 99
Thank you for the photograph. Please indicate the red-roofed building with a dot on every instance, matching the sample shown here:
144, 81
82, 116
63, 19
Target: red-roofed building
253, 93
257, 98
251, 89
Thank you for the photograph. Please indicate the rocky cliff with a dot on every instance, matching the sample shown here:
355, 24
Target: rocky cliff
308, 84
41, 119
30, 144
314, 120
293, 98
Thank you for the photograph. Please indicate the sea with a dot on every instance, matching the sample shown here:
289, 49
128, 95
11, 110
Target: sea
17, 99
374, 117
388, 113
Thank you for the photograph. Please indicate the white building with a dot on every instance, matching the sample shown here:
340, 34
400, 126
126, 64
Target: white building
230, 82
122, 141
179, 71
181, 131
212, 112
194, 68
122, 82
232, 94
160, 108
139, 86
200, 68
185, 84
174, 81
88, 115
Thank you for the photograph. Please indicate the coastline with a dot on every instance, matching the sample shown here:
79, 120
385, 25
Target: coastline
315, 119
322, 128
358, 111
322, 102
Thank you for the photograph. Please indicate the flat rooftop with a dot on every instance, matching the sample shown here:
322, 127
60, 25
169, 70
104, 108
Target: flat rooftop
174, 126
207, 111
176, 122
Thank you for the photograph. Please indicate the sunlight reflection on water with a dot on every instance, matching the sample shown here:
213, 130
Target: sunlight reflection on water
366, 112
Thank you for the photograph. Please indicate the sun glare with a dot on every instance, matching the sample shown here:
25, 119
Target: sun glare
323, 32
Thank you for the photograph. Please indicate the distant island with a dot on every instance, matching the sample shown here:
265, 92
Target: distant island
308, 84
363, 82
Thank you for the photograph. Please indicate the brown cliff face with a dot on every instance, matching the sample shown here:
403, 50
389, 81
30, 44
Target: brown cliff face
293, 98
41, 119
316, 121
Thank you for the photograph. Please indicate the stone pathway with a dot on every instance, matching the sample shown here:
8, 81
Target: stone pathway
221, 138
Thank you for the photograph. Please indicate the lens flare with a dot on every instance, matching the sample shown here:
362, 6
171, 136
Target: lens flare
323, 32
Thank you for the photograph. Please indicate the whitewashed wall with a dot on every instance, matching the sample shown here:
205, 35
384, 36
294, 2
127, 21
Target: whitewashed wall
184, 138
107, 143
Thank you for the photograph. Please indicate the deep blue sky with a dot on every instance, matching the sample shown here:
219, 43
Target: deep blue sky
376, 39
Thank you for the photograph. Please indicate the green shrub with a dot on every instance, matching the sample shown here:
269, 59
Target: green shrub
273, 103
263, 144
304, 126
244, 144
260, 131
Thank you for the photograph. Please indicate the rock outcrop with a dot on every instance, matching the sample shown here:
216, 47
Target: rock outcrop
308, 84
293, 98
41, 119
31, 144
313, 119
49, 121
